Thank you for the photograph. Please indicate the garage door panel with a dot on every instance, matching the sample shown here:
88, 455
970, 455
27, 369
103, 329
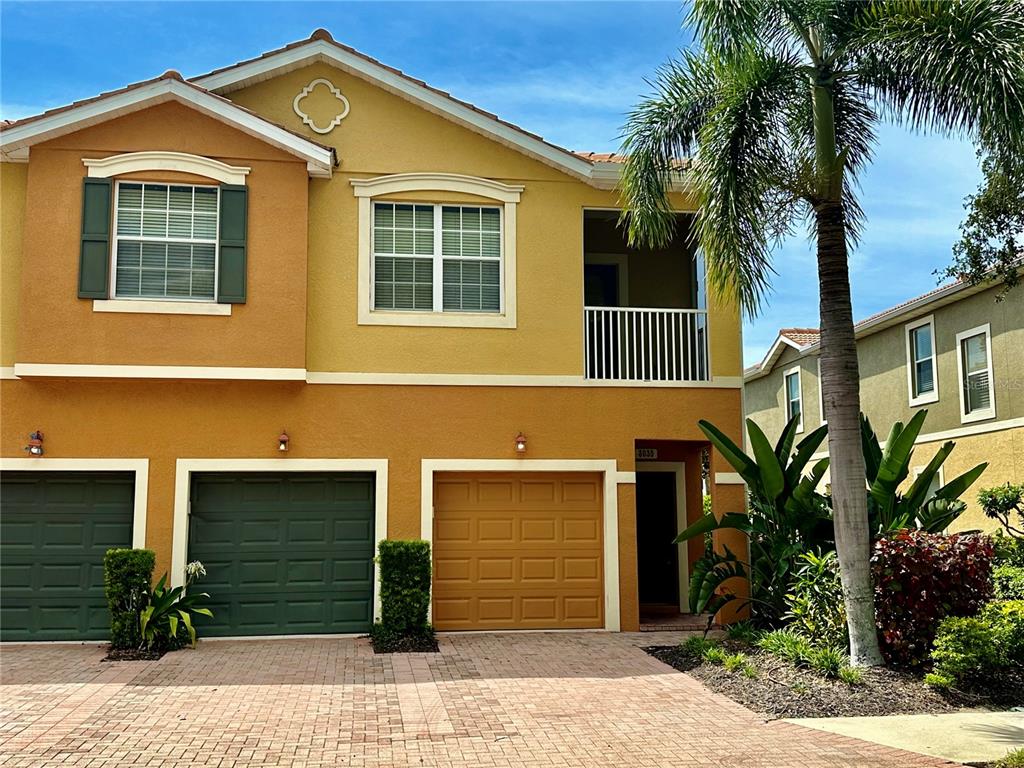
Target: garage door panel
518, 550
292, 552
55, 528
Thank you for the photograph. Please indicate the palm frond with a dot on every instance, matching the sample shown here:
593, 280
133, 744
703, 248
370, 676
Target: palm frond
951, 66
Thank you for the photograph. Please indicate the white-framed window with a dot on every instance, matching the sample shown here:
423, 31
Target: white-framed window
974, 364
922, 373
436, 257
793, 394
427, 258
165, 241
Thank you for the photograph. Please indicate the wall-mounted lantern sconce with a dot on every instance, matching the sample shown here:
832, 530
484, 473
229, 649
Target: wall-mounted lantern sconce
35, 443
520, 443
282, 441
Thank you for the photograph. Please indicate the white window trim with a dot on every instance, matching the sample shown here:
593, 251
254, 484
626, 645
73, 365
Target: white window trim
115, 238
379, 188
160, 307
987, 413
927, 397
785, 395
133, 162
821, 396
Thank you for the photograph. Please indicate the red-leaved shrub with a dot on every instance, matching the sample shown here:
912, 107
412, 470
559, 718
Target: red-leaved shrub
920, 578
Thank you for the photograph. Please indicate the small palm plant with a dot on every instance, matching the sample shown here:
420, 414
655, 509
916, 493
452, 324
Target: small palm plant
776, 106
169, 609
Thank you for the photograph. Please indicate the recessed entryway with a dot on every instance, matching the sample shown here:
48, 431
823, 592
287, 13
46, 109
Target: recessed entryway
662, 566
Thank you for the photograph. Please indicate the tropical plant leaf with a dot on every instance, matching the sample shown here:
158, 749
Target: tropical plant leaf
708, 523
743, 464
784, 447
872, 450
959, 485
773, 480
805, 449
917, 494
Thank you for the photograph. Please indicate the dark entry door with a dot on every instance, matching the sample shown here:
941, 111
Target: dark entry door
657, 556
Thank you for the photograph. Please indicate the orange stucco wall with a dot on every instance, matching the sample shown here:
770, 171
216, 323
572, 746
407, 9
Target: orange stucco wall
164, 421
54, 326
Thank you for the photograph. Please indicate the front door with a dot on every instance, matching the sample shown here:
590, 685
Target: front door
656, 528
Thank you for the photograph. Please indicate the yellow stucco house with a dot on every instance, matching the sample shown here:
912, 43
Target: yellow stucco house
267, 316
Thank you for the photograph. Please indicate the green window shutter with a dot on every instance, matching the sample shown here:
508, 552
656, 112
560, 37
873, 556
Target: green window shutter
232, 238
94, 257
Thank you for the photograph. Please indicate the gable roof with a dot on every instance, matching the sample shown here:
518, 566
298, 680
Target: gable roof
16, 137
598, 170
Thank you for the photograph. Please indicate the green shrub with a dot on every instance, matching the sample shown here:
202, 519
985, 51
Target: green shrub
1009, 550
851, 675
826, 660
980, 646
749, 671
939, 681
714, 655
1014, 759
696, 646
743, 631
787, 645
1006, 617
815, 600
734, 662
1005, 504
1008, 582
404, 585
127, 575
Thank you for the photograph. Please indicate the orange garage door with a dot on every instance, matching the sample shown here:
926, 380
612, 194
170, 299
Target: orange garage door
518, 550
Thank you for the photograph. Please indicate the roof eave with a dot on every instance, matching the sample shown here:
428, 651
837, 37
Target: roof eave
16, 140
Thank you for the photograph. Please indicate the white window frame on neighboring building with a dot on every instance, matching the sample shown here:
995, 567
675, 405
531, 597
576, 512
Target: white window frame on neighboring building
908, 332
795, 370
411, 188
980, 414
821, 396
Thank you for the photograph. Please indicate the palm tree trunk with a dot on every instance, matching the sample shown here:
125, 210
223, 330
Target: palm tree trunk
840, 386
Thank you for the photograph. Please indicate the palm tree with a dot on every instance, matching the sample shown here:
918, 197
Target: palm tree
776, 106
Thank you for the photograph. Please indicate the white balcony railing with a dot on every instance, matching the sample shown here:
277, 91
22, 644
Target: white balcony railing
634, 344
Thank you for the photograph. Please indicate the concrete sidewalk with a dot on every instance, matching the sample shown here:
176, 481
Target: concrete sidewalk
963, 737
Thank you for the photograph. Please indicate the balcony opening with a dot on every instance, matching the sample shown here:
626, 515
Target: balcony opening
645, 308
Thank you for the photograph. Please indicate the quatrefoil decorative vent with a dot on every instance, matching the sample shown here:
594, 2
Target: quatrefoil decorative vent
339, 114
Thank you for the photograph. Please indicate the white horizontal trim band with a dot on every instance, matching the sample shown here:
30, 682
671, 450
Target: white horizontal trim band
728, 478
141, 307
158, 372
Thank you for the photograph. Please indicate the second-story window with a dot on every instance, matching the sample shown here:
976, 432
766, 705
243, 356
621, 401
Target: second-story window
921, 376
794, 396
436, 258
165, 241
974, 355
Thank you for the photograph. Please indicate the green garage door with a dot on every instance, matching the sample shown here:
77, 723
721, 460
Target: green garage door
55, 528
288, 553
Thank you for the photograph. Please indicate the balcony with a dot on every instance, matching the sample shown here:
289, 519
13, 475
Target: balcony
644, 315
642, 344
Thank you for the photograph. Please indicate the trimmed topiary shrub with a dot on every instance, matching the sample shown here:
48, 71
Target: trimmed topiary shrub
127, 575
921, 578
404, 598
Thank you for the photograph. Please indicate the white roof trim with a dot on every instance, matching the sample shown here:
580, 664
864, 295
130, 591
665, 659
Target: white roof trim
320, 50
14, 139
159, 160
772, 355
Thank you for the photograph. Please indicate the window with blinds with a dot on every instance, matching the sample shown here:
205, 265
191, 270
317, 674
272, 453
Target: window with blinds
165, 241
922, 364
794, 399
976, 375
436, 258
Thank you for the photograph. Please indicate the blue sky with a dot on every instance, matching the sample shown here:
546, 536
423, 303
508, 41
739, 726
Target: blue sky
568, 71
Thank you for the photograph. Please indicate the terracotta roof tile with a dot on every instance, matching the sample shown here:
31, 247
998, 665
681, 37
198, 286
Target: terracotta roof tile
801, 336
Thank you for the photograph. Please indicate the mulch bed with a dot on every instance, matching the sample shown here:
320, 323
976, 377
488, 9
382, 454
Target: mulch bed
782, 690
389, 642
134, 654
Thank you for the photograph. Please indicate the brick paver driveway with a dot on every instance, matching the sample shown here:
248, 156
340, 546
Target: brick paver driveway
512, 700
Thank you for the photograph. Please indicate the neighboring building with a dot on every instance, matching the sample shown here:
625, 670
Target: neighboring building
430, 309
955, 351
